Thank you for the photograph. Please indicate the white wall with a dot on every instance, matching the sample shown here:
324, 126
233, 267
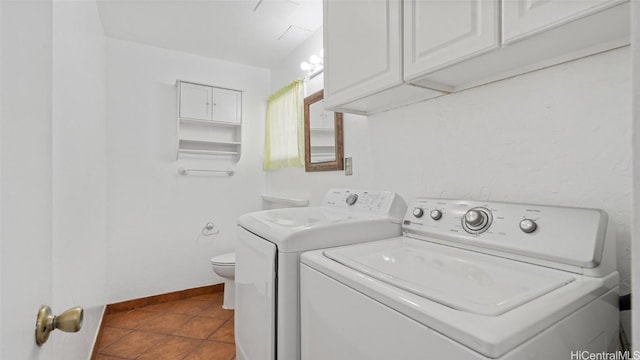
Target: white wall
635, 254
288, 69
554, 136
25, 189
557, 136
155, 216
79, 171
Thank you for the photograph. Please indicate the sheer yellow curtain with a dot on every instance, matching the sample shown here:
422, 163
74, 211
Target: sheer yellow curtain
284, 143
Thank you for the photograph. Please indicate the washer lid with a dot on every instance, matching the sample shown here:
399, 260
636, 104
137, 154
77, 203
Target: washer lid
463, 280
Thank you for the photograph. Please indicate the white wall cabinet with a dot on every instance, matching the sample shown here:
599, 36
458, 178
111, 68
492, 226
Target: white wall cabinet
440, 33
450, 46
366, 57
363, 57
209, 120
522, 18
538, 34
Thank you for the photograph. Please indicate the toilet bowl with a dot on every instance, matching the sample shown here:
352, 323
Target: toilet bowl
225, 266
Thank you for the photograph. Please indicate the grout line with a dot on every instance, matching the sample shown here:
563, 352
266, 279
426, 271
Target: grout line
192, 350
158, 313
214, 330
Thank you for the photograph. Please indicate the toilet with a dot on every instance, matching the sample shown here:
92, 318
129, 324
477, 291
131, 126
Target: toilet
225, 266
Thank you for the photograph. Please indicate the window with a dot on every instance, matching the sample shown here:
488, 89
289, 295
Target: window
284, 142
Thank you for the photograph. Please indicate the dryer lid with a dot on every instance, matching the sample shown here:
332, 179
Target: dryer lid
301, 229
463, 280
346, 216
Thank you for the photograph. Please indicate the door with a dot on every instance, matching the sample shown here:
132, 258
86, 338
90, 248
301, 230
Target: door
25, 175
195, 101
523, 18
255, 324
363, 55
227, 105
442, 33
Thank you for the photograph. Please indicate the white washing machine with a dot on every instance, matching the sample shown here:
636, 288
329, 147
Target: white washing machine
467, 280
268, 248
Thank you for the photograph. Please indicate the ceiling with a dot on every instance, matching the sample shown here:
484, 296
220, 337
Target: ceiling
253, 32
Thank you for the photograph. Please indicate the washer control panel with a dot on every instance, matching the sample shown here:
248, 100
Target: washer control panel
572, 236
366, 202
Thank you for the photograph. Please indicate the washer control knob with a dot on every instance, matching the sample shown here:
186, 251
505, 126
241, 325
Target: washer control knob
435, 214
474, 218
528, 225
418, 212
352, 199
477, 220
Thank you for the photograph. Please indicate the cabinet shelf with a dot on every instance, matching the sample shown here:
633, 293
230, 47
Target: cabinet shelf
201, 147
207, 142
209, 122
207, 152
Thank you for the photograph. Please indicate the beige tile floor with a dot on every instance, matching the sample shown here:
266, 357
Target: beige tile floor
196, 328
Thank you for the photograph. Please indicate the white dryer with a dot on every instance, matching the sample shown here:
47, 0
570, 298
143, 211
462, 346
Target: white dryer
268, 248
467, 280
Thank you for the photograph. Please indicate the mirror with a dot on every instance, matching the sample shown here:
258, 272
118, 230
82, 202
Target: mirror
323, 147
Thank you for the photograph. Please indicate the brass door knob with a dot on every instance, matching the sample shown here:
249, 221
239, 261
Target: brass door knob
68, 321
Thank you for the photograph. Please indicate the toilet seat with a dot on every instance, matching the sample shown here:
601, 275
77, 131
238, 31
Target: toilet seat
228, 259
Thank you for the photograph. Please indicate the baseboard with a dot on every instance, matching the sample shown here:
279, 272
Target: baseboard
96, 338
158, 299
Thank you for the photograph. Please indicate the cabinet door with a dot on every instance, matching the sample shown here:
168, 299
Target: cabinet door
362, 42
523, 18
195, 101
227, 105
441, 33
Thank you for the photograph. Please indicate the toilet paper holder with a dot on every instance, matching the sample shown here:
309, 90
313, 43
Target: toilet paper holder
210, 229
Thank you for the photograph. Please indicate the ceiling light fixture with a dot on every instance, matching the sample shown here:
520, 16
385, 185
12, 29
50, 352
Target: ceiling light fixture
314, 66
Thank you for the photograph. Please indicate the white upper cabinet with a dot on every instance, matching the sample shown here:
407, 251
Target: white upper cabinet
363, 56
522, 18
203, 102
441, 33
363, 38
538, 34
452, 45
